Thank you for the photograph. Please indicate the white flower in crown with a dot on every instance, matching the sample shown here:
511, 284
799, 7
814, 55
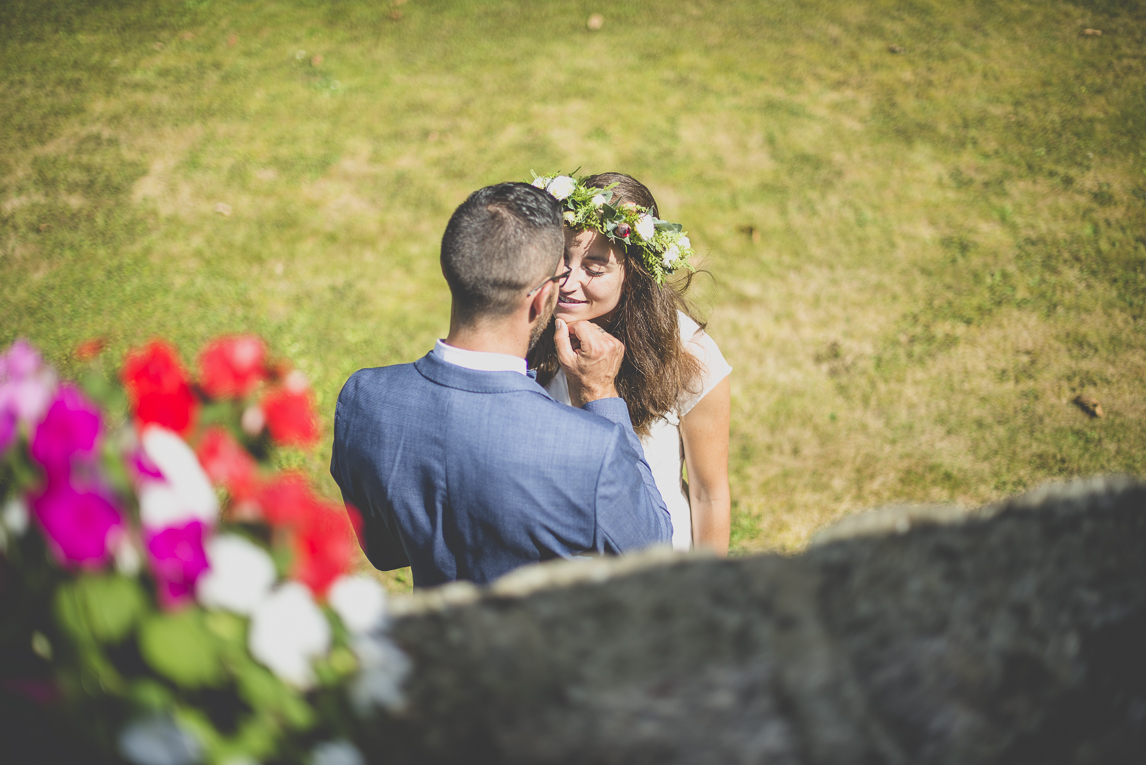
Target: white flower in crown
570, 216
671, 254
561, 186
646, 227
683, 243
598, 201
540, 183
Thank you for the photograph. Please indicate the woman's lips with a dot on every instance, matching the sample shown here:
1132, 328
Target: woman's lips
570, 301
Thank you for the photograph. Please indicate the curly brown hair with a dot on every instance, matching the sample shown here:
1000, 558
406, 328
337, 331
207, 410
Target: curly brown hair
657, 371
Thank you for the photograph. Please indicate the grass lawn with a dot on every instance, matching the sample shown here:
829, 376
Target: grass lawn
924, 222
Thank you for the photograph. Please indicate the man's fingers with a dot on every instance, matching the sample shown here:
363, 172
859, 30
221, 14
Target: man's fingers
565, 353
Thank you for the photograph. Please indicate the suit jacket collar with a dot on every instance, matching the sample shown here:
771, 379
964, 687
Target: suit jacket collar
452, 376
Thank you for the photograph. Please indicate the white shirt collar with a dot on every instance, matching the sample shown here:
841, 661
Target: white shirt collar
479, 360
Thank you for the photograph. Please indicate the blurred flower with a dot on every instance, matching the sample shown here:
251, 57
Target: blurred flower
540, 183
228, 464
253, 421
646, 227
670, 256
383, 669
177, 561
7, 428
158, 388
185, 492
561, 186
90, 349
15, 516
291, 417
127, 559
159, 740
337, 753
77, 523
325, 547
684, 243
70, 428
26, 385
360, 603
231, 367
287, 630
287, 499
241, 575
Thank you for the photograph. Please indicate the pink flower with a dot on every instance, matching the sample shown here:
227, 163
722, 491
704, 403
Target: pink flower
69, 429
26, 386
78, 523
178, 559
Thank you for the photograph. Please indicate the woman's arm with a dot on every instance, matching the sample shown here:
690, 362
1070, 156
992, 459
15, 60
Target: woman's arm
704, 431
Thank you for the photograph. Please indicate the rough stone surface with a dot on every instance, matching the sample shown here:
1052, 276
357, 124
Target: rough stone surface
1013, 633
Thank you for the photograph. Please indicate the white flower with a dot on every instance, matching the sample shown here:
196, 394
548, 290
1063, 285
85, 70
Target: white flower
570, 216
540, 183
683, 243
670, 256
159, 740
598, 201
187, 494
16, 516
359, 601
383, 670
240, 577
337, 753
561, 186
287, 630
646, 226
127, 558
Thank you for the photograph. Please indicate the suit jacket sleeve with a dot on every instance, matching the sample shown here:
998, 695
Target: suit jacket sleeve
630, 510
380, 544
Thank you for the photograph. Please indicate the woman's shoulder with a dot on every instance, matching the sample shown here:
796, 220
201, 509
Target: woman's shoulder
687, 326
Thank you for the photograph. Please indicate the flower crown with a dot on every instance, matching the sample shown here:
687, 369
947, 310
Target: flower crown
664, 246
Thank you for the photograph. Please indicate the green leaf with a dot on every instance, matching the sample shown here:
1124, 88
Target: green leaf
266, 694
180, 646
111, 604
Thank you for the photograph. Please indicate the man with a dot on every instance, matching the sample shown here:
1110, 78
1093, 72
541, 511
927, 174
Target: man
463, 467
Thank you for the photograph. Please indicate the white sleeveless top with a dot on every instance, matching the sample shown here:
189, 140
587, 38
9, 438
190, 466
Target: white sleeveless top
663, 448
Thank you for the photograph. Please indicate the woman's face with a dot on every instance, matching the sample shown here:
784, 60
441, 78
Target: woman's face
594, 286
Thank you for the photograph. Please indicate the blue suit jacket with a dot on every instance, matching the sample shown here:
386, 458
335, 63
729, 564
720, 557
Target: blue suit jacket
463, 474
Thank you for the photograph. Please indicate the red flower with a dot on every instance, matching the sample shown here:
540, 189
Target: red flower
325, 547
231, 367
291, 417
228, 464
158, 387
287, 500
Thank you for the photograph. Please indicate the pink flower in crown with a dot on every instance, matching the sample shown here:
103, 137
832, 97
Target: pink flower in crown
178, 559
70, 429
80, 524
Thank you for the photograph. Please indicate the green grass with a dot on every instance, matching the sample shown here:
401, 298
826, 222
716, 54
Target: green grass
918, 259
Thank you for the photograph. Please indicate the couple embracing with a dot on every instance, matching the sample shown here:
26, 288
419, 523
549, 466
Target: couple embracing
555, 418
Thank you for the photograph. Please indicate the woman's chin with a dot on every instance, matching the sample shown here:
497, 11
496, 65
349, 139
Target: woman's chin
572, 313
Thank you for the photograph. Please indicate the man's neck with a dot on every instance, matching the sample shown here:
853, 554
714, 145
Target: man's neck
489, 338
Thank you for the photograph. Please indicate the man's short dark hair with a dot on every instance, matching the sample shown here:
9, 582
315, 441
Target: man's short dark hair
498, 244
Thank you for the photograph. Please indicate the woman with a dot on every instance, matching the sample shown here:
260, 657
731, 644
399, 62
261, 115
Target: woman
673, 377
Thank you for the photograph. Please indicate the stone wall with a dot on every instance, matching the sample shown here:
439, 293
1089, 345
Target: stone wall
1012, 633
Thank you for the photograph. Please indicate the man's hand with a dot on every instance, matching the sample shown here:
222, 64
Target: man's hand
593, 365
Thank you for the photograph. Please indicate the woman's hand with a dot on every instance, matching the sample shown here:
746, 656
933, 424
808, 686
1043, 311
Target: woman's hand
704, 431
592, 366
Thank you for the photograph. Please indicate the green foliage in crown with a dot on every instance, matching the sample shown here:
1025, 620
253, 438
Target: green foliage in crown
664, 247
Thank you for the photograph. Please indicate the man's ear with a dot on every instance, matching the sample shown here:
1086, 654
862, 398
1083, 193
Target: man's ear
540, 301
